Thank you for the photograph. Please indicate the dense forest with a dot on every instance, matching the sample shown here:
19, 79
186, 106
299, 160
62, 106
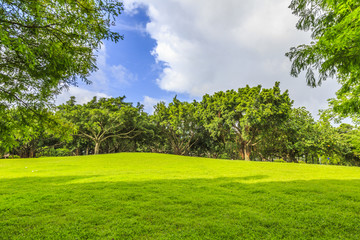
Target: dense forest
250, 123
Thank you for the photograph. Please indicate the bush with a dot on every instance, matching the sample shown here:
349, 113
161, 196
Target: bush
279, 160
330, 160
61, 152
55, 152
224, 156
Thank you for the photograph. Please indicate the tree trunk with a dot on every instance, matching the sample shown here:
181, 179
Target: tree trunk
242, 154
242, 151
97, 147
292, 157
31, 152
247, 152
177, 150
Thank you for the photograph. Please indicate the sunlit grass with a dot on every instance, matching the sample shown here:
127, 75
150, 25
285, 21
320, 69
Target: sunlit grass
155, 196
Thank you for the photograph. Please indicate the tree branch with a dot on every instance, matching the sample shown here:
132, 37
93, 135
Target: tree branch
27, 26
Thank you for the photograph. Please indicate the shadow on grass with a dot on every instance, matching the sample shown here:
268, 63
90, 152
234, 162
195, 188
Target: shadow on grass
222, 208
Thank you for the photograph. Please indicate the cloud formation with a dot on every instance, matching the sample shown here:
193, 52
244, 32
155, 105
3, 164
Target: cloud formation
149, 104
208, 46
107, 77
82, 95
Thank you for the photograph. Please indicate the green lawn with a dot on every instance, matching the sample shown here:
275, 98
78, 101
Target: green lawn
156, 196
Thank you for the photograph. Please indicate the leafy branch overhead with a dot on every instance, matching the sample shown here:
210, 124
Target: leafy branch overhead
334, 51
47, 45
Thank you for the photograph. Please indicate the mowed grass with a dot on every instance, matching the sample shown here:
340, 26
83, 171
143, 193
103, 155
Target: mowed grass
156, 196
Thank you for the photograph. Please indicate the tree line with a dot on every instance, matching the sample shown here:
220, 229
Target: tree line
50, 45
250, 123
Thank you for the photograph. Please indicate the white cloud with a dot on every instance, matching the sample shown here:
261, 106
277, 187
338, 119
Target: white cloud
121, 75
82, 95
149, 104
109, 76
209, 46
131, 7
120, 26
105, 79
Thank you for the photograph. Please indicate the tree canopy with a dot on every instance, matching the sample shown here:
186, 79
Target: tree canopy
179, 124
245, 113
47, 45
99, 120
334, 51
250, 123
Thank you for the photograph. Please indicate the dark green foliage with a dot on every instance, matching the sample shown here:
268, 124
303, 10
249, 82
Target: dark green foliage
251, 123
245, 115
295, 137
43, 128
179, 123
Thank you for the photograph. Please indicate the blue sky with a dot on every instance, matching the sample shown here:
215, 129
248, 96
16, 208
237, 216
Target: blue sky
134, 53
189, 48
132, 60
137, 67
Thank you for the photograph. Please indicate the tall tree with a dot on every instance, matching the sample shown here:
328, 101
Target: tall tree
46, 45
334, 51
245, 114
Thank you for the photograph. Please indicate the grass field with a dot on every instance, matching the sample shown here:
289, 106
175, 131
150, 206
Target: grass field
155, 196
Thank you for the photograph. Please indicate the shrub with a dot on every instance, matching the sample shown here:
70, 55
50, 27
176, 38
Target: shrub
279, 160
55, 152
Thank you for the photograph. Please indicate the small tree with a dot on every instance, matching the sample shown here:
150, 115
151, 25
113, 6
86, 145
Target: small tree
102, 119
28, 140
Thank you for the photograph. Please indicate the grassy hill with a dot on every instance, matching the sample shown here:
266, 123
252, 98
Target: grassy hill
156, 196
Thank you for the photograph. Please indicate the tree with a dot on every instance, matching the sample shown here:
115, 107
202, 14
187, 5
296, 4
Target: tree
27, 141
244, 115
179, 123
334, 51
299, 135
328, 142
350, 144
47, 45
99, 120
